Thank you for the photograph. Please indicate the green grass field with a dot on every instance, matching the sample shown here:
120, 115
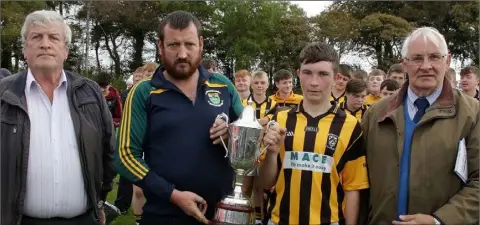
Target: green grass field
127, 219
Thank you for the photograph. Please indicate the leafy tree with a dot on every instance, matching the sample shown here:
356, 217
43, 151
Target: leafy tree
13, 15
382, 35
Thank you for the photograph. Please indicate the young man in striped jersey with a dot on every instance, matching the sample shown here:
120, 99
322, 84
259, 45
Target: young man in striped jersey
389, 87
263, 106
374, 80
341, 79
354, 105
242, 82
285, 97
320, 169
469, 81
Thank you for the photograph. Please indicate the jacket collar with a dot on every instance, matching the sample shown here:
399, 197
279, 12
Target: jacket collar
159, 80
445, 99
15, 90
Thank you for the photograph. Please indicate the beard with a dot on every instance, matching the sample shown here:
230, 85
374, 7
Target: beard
181, 69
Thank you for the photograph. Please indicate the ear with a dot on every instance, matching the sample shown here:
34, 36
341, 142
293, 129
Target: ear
449, 59
404, 64
65, 56
201, 43
298, 75
160, 47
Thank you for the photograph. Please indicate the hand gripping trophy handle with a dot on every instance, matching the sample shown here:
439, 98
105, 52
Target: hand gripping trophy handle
224, 117
270, 124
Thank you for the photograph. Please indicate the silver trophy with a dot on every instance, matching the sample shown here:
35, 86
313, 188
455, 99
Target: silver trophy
243, 151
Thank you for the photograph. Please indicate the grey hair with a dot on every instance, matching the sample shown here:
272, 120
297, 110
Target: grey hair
428, 33
43, 17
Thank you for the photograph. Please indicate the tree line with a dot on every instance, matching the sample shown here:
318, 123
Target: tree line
244, 34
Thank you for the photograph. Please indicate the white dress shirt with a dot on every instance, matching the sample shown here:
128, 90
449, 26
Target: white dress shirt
411, 97
55, 186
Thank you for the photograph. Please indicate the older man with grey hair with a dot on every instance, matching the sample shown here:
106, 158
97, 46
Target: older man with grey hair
57, 138
423, 143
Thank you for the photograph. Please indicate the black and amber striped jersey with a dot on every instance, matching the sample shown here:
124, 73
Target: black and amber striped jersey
291, 101
320, 159
336, 101
371, 99
357, 114
263, 108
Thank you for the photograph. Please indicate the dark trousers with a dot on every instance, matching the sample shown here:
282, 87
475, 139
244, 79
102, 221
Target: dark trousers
124, 194
87, 218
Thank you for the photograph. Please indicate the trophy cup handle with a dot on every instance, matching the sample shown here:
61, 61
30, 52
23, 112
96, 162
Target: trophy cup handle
270, 124
224, 117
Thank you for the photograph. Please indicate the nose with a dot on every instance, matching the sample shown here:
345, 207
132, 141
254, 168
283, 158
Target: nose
314, 81
182, 52
426, 65
44, 43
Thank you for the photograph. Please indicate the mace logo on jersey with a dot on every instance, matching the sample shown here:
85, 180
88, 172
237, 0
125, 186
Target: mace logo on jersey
308, 161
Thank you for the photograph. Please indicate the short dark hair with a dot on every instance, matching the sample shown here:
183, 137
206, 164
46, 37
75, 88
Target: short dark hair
208, 63
377, 72
395, 68
320, 51
360, 74
103, 79
179, 20
282, 75
345, 70
391, 85
469, 69
355, 86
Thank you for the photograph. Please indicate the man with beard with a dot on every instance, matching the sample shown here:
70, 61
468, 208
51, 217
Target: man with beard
182, 179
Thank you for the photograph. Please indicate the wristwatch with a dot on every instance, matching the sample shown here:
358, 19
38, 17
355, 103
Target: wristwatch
436, 221
100, 204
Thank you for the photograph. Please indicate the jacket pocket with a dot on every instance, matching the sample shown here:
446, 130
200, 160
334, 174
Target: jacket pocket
10, 167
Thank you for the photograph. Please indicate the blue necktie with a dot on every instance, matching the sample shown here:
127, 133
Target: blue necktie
422, 104
402, 208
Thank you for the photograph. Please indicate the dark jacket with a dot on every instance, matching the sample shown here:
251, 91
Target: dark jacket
123, 96
93, 127
173, 134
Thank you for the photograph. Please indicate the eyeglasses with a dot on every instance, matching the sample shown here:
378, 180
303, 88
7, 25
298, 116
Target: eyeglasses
419, 59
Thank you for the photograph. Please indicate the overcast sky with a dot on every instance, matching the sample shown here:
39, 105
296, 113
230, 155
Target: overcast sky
312, 8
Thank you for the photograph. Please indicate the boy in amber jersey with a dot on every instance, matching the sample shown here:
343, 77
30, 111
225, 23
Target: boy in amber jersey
388, 87
315, 156
396, 72
354, 104
242, 83
341, 79
469, 81
263, 106
374, 80
285, 97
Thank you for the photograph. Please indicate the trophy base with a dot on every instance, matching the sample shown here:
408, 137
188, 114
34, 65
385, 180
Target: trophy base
226, 214
211, 222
